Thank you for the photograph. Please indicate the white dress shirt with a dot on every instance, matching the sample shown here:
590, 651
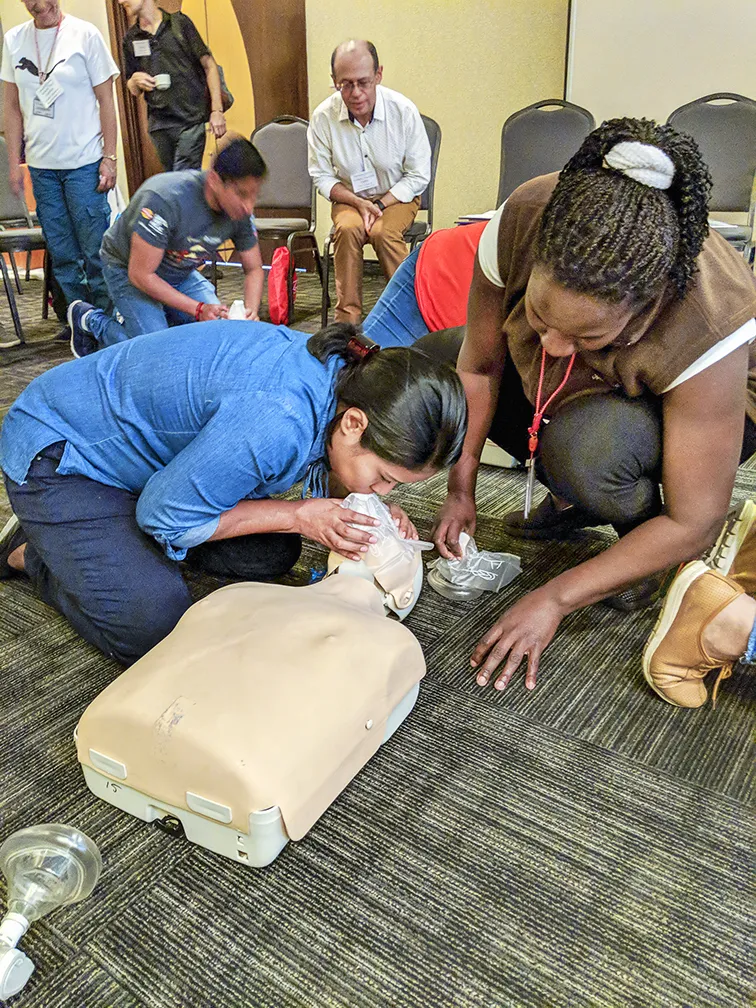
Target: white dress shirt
394, 143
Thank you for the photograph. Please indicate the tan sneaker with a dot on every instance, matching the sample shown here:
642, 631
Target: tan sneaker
734, 552
675, 660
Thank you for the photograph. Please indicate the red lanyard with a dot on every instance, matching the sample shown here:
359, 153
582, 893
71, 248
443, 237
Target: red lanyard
535, 426
43, 73
540, 410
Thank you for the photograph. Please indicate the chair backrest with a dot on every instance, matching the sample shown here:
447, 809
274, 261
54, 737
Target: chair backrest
539, 139
12, 208
724, 127
283, 145
434, 138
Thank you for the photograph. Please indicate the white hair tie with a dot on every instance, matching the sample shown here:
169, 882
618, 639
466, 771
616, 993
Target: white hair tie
646, 164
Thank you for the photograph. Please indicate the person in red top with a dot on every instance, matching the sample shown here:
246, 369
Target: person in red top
429, 291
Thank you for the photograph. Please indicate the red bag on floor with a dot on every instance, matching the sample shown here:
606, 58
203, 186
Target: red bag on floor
278, 302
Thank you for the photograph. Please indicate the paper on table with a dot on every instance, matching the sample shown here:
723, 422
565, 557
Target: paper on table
477, 216
720, 224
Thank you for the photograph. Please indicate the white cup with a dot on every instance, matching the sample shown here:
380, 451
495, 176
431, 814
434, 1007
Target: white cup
162, 81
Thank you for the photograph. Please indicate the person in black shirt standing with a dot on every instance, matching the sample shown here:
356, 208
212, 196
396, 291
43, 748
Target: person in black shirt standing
166, 60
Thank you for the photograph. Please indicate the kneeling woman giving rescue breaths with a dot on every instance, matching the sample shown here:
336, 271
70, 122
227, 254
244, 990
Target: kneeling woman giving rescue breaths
607, 344
169, 447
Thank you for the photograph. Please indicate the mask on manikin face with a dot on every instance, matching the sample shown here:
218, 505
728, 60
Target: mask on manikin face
392, 563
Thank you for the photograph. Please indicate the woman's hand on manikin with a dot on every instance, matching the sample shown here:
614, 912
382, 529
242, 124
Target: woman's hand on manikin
523, 631
404, 526
325, 521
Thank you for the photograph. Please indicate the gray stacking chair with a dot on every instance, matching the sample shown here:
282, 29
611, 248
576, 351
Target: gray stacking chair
724, 127
539, 139
287, 186
17, 235
417, 231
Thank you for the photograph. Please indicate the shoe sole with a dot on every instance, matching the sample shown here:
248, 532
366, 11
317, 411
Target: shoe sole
688, 575
71, 326
8, 531
731, 538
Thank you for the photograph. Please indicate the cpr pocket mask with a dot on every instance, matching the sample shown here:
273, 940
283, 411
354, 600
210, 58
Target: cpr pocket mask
477, 571
393, 562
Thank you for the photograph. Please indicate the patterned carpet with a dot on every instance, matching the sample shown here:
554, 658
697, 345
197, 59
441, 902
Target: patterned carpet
584, 846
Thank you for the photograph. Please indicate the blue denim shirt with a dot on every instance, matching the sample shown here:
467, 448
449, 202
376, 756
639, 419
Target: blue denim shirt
193, 420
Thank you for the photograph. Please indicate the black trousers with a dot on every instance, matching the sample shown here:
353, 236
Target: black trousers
180, 147
89, 559
601, 452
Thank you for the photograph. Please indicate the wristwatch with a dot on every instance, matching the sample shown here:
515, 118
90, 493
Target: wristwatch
109, 157
380, 204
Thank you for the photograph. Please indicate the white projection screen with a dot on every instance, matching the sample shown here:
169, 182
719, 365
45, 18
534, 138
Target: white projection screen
647, 57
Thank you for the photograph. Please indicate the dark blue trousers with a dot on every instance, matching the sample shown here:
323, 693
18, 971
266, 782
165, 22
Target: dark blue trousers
90, 560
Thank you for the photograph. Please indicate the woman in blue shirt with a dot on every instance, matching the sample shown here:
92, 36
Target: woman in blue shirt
169, 446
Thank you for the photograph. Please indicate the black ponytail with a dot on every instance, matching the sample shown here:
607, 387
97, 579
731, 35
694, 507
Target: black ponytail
416, 407
605, 234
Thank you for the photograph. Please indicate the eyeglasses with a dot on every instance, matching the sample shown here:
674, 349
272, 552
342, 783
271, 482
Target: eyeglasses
359, 85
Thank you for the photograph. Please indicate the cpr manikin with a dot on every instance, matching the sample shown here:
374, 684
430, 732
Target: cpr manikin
248, 720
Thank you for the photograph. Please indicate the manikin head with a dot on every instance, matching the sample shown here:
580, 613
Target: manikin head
233, 182
46, 13
401, 416
356, 73
626, 222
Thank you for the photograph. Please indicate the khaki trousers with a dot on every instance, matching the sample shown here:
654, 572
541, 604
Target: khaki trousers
350, 238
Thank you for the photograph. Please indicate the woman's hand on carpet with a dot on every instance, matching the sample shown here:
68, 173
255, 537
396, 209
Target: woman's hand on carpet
404, 526
325, 521
524, 629
457, 515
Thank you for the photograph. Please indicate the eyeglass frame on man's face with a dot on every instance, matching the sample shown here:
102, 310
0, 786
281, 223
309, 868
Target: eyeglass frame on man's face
363, 84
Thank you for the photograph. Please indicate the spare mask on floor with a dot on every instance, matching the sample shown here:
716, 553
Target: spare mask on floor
393, 562
477, 571
246, 722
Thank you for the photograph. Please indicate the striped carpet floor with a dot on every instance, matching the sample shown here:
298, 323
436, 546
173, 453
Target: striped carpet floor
583, 846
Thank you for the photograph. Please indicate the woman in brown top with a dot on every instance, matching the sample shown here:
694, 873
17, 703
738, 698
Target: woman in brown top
606, 290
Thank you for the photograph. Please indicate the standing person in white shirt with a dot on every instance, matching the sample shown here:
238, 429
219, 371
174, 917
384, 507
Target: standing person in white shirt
369, 155
58, 88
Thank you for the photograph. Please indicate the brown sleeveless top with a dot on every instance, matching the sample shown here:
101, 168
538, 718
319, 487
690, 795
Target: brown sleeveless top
672, 333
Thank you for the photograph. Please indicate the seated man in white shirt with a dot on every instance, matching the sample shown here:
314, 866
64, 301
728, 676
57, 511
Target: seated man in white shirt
369, 155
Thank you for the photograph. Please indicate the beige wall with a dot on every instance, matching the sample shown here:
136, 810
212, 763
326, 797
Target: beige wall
13, 12
466, 63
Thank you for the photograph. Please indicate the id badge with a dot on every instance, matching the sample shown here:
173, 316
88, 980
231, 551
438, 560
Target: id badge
142, 47
364, 180
47, 94
38, 109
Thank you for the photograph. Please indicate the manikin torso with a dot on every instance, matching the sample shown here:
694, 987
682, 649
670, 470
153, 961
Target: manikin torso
263, 695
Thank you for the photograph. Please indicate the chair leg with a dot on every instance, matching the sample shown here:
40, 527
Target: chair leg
16, 277
11, 300
326, 270
46, 286
28, 266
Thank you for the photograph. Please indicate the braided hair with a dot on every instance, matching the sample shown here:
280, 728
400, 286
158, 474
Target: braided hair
605, 234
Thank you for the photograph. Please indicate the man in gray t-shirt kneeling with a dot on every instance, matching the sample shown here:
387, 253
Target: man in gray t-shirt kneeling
172, 225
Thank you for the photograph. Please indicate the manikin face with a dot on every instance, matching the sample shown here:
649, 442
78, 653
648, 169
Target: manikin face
132, 7
358, 470
568, 322
46, 13
237, 197
357, 79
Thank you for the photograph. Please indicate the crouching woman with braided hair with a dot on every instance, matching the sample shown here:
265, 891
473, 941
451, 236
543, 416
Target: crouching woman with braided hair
169, 447
606, 319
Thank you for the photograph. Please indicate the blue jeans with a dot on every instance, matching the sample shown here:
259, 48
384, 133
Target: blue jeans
91, 561
74, 217
396, 320
141, 313
750, 653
